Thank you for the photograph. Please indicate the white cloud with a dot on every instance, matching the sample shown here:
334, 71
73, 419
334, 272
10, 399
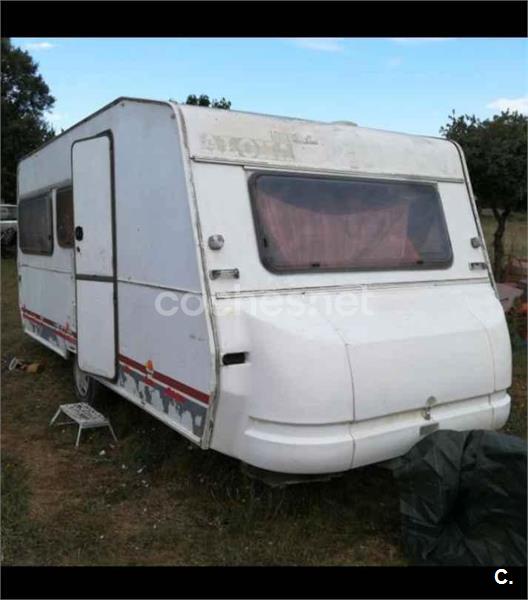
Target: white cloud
512, 104
39, 45
320, 44
414, 41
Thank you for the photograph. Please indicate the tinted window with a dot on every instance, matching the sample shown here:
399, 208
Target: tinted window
35, 225
317, 223
65, 217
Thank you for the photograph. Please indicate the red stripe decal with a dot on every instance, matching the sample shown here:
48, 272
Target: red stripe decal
182, 387
174, 395
132, 363
30, 312
128, 362
41, 321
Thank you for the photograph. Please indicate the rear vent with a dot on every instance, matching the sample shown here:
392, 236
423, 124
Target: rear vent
234, 358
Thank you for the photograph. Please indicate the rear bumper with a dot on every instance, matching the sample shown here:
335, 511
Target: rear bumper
330, 448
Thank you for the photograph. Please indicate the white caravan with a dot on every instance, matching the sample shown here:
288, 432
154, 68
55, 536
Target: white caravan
306, 297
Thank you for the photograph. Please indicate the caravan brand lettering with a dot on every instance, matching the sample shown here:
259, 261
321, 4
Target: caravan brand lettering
278, 147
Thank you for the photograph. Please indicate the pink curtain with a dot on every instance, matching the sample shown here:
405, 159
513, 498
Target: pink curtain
336, 232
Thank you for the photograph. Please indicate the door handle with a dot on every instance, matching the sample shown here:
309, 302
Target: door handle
79, 233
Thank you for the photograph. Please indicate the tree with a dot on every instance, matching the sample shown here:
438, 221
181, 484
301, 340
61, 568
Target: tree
495, 151
24, 100
203, 100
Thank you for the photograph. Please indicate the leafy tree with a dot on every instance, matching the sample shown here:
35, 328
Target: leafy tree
495, 151
25, 99
203, 100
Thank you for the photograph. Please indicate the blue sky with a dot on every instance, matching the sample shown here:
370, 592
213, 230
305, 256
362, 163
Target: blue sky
399, 84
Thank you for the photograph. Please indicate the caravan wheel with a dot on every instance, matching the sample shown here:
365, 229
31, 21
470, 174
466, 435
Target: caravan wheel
87, 389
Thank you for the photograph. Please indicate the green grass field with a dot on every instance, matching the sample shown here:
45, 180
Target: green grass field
156, 500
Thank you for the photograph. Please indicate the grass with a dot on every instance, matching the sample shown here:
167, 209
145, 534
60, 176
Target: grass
154, 499
15, 493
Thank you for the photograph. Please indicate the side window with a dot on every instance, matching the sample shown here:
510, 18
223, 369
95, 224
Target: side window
313, 223
35, 225
65, 217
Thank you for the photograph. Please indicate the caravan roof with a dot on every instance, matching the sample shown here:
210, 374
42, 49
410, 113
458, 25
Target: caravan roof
230, 136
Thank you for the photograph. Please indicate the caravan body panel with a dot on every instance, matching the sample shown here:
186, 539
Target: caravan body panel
310, 371
164, 364
325, 386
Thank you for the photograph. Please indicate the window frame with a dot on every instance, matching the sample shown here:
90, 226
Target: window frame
11, 217
57, 191
48, 196
259, 229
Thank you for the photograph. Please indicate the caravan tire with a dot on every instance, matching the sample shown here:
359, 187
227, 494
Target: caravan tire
87, 389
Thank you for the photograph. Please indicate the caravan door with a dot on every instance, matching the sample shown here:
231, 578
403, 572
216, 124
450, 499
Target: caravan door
95, 271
